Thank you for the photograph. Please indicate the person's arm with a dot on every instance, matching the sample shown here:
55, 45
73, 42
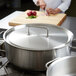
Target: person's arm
61, 8
65, 5
35, 1
40, 3
52, 11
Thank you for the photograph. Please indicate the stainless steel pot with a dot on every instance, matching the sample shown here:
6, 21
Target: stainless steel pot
31, 46
65, 66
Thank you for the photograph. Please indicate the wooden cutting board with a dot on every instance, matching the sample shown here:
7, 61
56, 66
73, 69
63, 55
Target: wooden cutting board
41, 18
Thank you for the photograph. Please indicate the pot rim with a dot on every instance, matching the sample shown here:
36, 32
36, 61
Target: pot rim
57, 60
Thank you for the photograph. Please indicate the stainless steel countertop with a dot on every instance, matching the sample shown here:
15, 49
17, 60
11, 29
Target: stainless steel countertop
70, 23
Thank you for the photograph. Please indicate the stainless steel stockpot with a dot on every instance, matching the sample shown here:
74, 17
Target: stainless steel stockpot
65, 66
31, 46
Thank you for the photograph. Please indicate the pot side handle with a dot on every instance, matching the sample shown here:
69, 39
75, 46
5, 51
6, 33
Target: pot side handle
48, 63
73, 45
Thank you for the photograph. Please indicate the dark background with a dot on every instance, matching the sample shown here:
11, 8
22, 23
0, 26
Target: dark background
9, 6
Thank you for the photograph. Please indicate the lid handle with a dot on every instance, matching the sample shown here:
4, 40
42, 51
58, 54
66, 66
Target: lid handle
37, 27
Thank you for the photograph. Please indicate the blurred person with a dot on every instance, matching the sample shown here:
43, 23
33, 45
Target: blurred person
53, 6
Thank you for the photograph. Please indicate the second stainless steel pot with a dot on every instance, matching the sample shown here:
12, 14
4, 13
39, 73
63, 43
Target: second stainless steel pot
31, 46
65, 66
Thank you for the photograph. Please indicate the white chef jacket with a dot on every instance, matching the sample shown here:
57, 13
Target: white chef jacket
63, 5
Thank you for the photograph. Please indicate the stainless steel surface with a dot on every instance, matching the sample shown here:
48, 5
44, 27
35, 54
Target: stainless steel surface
58, 38
43, 27
48, 63
63, 67
1, 41
1, 32
73, 45
70, 23
33, 51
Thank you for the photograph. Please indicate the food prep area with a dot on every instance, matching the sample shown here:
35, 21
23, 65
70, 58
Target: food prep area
9, 69
27, 49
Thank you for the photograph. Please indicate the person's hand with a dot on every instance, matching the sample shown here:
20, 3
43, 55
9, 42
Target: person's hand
52, 11
57, 10
49, 11
42, 4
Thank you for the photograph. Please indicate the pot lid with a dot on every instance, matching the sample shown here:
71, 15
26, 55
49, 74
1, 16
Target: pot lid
38, 36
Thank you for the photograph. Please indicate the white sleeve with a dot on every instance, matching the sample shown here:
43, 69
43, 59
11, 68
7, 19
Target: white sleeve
65, 5
35, 1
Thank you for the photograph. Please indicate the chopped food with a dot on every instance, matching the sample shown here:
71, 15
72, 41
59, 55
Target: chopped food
31, 14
